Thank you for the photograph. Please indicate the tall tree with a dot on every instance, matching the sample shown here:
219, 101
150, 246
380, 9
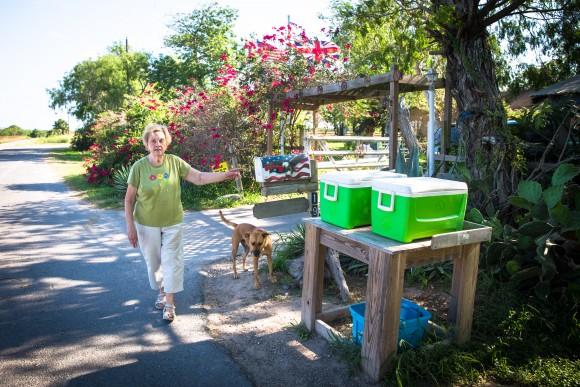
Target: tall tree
200, 39
461, 31
60, 126
95, 86
167, 73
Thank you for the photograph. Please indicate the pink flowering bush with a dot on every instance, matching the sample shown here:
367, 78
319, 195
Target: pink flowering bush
285, 60
208, 129
232, 118
118, 136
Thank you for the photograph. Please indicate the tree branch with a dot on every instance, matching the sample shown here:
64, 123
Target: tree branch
508, 10
490, 6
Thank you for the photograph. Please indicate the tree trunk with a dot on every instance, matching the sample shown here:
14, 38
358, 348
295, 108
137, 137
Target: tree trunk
482, 119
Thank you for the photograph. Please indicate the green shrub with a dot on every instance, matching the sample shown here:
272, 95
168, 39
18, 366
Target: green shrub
35, 133
542, 251
14, 130
516, 340
82, 139
289, 246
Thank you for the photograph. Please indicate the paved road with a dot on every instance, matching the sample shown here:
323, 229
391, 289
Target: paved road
75, 305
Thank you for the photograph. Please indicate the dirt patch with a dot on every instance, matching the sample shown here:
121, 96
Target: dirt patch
258, 327
5, 139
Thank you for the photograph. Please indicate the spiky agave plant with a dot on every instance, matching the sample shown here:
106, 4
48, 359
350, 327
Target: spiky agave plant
120, 177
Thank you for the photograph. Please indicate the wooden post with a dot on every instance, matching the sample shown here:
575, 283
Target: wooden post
239, 185
384, 292
313, 279
393, 130
315, 119
269, 131
447, 108
463, 291
333, 263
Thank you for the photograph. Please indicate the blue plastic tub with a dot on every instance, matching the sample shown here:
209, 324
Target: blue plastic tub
413, 322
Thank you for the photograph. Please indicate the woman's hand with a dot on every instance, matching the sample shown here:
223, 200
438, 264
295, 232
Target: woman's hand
232, 174
132, 235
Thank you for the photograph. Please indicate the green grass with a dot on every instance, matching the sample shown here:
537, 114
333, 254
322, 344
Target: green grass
348, 351
69, 155
102, 196
300, 329
71, 165
515, 341
61, 139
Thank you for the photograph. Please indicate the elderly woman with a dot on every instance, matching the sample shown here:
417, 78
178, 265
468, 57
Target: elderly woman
154, 213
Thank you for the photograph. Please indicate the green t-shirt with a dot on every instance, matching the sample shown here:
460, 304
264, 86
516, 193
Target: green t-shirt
158, 201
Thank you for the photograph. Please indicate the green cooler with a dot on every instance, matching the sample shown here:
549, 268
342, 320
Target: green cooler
417, 207
345, 197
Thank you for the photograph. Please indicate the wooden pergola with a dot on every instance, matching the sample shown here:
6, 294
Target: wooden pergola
389, 85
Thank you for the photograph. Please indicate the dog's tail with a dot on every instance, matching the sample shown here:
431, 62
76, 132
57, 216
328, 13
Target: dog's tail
229, 223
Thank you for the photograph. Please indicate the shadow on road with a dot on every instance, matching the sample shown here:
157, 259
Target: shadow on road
51, 187
168, 368
30, 154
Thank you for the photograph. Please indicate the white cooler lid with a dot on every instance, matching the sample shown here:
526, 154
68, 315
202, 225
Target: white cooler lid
417, 186
357, 178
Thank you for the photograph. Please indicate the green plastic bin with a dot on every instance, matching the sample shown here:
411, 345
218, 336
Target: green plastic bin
417, 207
345, 197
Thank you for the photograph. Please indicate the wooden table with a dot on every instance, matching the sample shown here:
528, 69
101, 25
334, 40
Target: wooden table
387, 260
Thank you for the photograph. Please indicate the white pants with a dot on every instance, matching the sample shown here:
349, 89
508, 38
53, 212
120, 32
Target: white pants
162, 248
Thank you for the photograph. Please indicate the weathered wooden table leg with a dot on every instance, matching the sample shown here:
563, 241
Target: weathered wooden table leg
313, 279
463, 287
384, 292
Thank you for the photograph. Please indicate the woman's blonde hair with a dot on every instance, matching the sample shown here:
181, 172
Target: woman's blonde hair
152, 128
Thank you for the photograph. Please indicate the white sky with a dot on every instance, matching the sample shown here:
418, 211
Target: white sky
42, 40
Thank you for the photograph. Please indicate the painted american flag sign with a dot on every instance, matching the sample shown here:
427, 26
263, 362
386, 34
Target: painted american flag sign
270, 169
317, 50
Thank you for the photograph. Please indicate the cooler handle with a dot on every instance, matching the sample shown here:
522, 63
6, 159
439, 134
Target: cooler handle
440, 219
328, 197
391, 206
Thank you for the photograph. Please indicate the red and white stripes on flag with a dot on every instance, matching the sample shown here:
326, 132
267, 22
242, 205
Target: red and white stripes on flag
317, 50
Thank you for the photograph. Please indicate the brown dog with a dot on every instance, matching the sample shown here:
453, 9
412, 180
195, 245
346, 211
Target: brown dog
254, 240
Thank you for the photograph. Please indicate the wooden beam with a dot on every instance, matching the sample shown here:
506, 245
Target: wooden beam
348, 138
333, 264
394, 129
449, 158
423, 257
342, 86
361, 163
313, 279
381, 330
334, 313
326, 331
295, 187
315, 117
463, 292
280, 207
269, 131
463, 237
344, 152
345, 246
447, 109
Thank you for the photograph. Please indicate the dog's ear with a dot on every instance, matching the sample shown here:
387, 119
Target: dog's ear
265, 234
